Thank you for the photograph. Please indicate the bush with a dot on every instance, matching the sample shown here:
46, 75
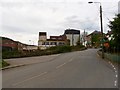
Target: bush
11, 54
49, 51
3, 63
78, 48
59, 49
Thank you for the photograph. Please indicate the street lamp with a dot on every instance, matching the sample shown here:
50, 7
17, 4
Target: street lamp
101, 26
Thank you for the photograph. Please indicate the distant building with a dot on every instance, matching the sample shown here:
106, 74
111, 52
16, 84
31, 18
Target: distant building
83, 39
44, 43
119, 7
24, 47
8, 44
72, 35
94, 39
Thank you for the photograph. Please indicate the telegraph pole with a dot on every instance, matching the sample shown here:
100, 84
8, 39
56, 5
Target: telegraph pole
102, 43
102, 31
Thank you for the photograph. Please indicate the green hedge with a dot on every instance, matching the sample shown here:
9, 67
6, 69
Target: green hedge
59, 49
49, 51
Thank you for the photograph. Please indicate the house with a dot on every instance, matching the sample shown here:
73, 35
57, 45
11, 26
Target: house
94, 39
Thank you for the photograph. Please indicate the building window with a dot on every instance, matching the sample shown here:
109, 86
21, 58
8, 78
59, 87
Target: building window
61, 43
47, 43
53, 43
43, 43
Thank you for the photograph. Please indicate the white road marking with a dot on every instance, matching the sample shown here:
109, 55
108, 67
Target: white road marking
116, 76
115, 71
114, 68
98, 55
60, 65
115, 83
112, 65
29, 78
70, 60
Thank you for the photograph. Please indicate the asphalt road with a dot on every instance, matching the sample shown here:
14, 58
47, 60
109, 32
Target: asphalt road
81, 69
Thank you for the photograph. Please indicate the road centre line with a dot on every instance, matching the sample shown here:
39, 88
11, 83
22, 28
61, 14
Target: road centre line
70, 60
30, 78
60, 65
98, 55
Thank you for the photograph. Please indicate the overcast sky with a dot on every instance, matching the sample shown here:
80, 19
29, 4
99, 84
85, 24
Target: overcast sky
22, 20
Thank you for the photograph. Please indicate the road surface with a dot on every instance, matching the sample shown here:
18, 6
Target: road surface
81, 69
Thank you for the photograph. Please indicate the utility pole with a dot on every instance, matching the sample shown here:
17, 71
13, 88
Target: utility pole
84, 37
102, 43
102, 31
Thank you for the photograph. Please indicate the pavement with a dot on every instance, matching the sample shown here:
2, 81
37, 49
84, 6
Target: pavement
18, 62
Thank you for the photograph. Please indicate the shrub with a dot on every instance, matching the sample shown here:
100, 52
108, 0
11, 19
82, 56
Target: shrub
3, 63
59, 49
49, 51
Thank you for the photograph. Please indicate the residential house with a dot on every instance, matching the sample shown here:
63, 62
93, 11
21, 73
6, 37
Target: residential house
94, 39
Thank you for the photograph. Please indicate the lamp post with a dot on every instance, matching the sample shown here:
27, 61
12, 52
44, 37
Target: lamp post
101, 26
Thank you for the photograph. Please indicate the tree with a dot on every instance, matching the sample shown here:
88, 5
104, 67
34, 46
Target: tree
95, 39
115, 28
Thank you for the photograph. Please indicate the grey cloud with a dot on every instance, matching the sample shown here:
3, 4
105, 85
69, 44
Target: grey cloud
15, 29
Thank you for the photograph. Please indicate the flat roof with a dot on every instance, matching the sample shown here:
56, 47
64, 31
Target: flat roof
72, 31
42, 33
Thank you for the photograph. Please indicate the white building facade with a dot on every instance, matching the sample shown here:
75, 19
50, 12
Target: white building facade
119, 7
73, 35
45, 43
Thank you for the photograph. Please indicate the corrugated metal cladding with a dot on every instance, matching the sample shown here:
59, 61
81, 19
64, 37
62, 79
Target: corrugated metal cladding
72, 31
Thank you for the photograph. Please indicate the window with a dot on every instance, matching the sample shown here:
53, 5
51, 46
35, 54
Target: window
43, 43
53, 43
47, 43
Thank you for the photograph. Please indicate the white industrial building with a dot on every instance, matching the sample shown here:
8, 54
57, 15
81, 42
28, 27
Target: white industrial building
119, 7
73, 35
70, 37
44, 43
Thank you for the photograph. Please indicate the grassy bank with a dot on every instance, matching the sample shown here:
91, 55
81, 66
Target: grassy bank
49, 51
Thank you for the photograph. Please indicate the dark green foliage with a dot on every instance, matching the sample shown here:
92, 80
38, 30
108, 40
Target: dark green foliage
96, 39
78, 48
59, 49
3, 63
115, 28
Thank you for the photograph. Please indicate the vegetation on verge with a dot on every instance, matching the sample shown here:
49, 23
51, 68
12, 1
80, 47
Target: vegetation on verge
115, 28
49, 51
3, 64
